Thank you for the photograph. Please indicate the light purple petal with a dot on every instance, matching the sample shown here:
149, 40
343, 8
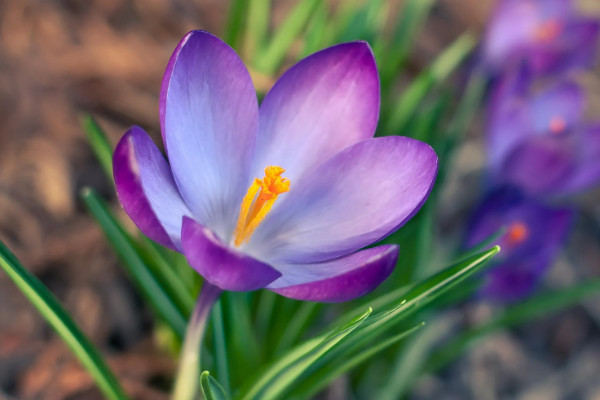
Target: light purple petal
545, 227
557, 109
509, 119
539, 164
165, 83
146, 188
210, 122
574, 48
337, 280
221, 265
587, 170
326, 102
508, 31
352, 200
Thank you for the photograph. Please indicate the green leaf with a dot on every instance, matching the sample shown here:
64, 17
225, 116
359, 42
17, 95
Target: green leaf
441, 68
211, 389
543, 304
167, 275
235, 23
257, 25
220, 345
59, 319
99, 143
148, 285
320, 378
410, 360
269, 60
413, 16
283, 373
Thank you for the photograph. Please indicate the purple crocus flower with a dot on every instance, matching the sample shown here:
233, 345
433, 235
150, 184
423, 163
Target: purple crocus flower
534, 233
548, 35
281, 196
538, 142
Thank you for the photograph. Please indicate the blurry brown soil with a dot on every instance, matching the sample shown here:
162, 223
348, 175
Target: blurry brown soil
58, 60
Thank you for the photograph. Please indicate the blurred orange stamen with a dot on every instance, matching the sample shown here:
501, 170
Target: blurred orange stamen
517, 233
548, 30
557, 125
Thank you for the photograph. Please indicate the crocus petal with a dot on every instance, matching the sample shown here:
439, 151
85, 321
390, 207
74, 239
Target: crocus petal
146, 188
574, 49
587, 170
337, 280
221, 265
540, 164
324, 103
514, 279
557, 109
545, 228
509, 119
357, 197
210, 122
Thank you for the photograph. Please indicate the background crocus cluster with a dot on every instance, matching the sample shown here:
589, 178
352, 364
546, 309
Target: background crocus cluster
540, 149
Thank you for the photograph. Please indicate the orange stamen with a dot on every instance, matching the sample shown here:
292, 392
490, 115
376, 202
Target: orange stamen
257, 202
557, 125
517, 233
548, 31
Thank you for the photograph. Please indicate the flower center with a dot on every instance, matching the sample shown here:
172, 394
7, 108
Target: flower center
557, 125
257, 202
548, 31
516, 234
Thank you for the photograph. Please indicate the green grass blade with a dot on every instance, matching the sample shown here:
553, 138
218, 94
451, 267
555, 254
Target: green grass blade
235, 23
220, 345
280, 376
167, 275
99, 143
269, 60
543, 304
410, 360
142, 276
413, 16
441, 68
50, 308
211, 389
320, 378
257, 25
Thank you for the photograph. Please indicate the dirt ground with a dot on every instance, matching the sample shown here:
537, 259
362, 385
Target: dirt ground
61, 59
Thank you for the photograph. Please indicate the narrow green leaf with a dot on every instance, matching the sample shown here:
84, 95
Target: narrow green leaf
296, 326
281, 375
441, 68
413, 16
269, 60
211, 389
167, 276
141, 274
410, 360
257, 25
235, 23
322, 377
542, 304
244, 349
50, 308
317, 30
220, 345
99, 142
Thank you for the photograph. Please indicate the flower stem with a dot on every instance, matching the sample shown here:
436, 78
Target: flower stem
188, 374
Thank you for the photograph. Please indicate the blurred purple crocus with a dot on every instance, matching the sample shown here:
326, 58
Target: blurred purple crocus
281, 196
533, 236
548, 35
538, 141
